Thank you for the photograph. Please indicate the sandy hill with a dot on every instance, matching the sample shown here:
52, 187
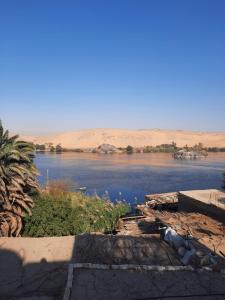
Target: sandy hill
137, 138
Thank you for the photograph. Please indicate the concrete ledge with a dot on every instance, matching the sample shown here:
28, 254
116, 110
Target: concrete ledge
94, 281
204, 202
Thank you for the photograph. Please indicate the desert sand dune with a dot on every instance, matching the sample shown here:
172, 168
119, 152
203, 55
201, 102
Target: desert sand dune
137, 138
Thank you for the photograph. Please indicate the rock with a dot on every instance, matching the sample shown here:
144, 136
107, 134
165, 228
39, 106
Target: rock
120, 243
200, 253
205, 260
106, 149
181, 251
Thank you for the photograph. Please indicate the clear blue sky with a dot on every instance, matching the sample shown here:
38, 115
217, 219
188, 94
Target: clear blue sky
68, 65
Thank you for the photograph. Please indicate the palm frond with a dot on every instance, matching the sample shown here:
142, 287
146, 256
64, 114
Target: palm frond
17, 177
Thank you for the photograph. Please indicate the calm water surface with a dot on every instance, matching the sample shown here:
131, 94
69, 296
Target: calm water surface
132, 175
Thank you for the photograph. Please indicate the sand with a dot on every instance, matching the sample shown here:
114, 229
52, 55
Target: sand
137, 138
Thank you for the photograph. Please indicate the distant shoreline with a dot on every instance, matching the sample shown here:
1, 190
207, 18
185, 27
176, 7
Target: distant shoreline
121, 138
148, 149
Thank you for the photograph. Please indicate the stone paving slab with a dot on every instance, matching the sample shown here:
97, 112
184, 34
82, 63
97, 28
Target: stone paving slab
137, 285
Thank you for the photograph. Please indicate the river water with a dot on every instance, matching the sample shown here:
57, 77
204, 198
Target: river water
131, 176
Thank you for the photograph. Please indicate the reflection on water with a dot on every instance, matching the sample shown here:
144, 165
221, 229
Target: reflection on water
132, 175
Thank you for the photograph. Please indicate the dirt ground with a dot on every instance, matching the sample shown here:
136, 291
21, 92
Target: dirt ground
206, 231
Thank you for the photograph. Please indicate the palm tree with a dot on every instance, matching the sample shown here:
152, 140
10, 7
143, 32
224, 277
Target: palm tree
17, 181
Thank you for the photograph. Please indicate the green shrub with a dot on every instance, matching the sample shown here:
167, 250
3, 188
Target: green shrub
129, 149
72, 214
58, 148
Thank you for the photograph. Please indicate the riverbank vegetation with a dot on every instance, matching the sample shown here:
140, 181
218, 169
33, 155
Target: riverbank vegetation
129, 149
162, 148
216, 149
58, 212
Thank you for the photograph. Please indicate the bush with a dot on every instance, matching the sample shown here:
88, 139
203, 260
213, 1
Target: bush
58, 148
129, 149
72, 214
